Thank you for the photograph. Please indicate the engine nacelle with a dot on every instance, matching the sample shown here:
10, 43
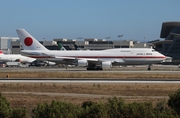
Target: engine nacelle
106, 64
82, 63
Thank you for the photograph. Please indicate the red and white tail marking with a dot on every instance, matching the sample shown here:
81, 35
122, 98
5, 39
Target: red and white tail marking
28, 41
1, 52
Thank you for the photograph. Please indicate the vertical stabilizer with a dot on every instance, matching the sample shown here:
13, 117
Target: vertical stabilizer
28, 41
1, 53
61, 47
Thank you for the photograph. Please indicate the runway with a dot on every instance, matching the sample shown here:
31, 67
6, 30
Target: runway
157, 69
101, 81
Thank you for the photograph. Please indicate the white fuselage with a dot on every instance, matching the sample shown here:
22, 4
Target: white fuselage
15, 57
128, 56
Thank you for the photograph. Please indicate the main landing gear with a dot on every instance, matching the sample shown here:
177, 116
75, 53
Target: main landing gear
149, 67
94, 68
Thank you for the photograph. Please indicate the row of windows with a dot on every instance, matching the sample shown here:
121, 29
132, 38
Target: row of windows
144, 54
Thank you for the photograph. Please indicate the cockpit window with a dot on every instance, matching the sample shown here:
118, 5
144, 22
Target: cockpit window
153, 50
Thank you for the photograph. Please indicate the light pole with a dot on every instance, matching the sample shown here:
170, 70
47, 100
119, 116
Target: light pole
119, 36
107, 38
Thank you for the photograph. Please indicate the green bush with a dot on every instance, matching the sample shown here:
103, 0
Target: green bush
116, 107
93, 110
87, 104
56, 109
174, 101
7, 112
5, 109
19, 113
139, 110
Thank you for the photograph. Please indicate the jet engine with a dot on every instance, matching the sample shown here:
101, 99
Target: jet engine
82, 62
18, 60
107, 64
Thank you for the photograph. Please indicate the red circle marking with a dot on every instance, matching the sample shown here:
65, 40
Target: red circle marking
28, 41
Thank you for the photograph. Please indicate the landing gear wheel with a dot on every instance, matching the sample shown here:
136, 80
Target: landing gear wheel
89, 68
94, 68
149, 67
99, 68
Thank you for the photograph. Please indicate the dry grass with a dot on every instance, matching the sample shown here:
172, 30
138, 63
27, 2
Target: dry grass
30, 100
102, 89
114, 75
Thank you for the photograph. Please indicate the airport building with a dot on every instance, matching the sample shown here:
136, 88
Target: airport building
6, 46
11, 45
171, 45
100, 44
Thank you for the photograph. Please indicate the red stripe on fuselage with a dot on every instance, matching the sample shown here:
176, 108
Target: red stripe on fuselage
103, 56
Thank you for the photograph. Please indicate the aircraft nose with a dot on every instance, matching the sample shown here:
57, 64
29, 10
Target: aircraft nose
163, 56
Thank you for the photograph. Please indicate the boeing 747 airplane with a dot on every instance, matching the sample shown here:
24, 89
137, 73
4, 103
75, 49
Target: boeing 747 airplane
93, 60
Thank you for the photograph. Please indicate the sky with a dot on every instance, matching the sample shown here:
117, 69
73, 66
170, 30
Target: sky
139, 20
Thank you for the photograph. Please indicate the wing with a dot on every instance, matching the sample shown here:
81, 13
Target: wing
88, 61
74, 60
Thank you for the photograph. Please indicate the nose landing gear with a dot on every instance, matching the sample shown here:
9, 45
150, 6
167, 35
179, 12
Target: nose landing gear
149, 67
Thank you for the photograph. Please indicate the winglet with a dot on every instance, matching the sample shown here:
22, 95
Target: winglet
28, 41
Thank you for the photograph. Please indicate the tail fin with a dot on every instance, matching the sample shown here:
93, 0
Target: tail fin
76, 47
61, 47
28, 41
1, 53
